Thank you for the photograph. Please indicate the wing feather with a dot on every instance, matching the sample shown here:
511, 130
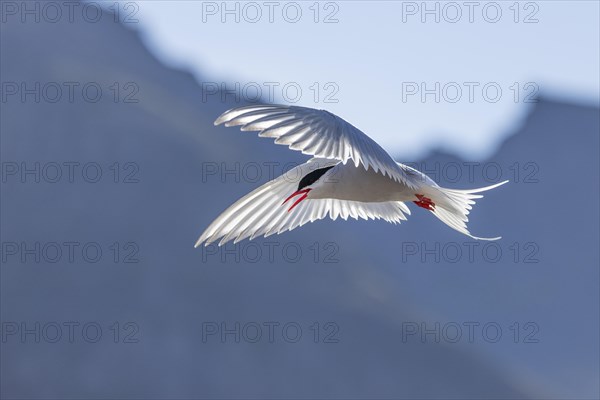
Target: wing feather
261, 213
318, 133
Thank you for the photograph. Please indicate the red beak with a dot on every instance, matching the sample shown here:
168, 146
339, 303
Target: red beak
303, 192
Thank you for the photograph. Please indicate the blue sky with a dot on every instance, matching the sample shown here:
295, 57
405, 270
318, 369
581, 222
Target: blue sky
371, 62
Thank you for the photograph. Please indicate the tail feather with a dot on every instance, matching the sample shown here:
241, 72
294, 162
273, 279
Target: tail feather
452, 206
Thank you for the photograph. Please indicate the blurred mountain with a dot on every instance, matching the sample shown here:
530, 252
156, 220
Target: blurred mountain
543, 275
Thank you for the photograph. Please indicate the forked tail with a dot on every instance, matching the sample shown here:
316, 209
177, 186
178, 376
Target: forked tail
452, 206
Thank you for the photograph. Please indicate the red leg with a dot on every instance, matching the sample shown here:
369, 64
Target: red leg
425, 202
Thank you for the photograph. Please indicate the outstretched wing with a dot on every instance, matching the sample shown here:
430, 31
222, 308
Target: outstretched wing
318, 133
261, 212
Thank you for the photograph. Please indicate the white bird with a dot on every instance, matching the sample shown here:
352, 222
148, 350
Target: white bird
371, 186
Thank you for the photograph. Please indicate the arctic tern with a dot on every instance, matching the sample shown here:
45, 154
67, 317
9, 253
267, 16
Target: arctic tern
350, 175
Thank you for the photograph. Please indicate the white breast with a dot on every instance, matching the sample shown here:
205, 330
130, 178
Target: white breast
347, 182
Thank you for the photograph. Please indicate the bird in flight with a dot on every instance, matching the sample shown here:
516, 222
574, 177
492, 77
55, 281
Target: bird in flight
350, 175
